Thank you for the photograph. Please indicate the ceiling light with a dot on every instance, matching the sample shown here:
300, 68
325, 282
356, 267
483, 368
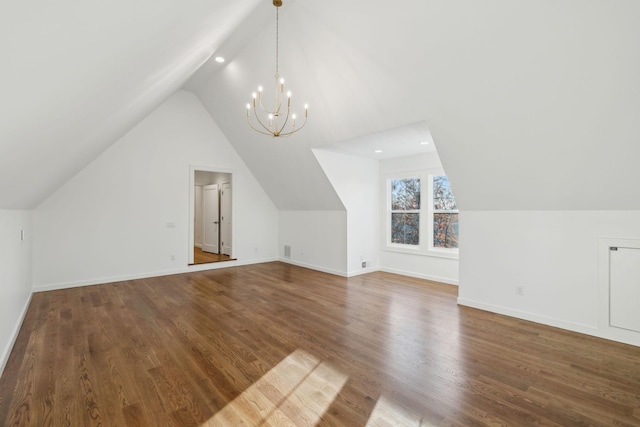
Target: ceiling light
274, 121
219, 59
378, 151
424, 143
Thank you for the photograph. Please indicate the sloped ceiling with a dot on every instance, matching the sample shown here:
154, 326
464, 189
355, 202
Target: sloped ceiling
532, 104
404, 141
76, 75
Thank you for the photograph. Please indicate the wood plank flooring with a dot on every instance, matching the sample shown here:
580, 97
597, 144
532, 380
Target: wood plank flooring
275, 344
202, 257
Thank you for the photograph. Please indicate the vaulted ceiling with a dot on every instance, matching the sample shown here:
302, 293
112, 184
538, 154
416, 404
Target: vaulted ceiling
532, 104
77, 75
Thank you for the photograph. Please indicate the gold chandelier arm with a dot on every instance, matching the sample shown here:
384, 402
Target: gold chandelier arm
260, 104
286, 118
279, 96
257, 116
257, 129
294, 130
275, 130
278, 105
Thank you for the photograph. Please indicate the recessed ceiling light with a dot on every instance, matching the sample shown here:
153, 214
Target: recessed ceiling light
424, 143
378, 151
219, 59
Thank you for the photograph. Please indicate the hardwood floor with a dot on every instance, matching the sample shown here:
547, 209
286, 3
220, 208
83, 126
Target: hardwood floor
275, 344
201, 257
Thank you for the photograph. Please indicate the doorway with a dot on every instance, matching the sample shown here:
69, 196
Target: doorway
211, 213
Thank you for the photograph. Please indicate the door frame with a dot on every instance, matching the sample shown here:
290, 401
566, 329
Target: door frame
192, 203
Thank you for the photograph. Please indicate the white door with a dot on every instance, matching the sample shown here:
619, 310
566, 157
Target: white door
211, 217
198, 221
225, 220
624, 291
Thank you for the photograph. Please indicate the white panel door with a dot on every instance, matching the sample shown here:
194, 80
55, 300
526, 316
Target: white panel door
198, 221
211, 217
624, 288
225, 220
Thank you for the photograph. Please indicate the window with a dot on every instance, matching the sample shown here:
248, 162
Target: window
445, 214
405, 211
421, 215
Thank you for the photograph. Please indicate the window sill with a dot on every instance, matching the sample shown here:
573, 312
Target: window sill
438, 253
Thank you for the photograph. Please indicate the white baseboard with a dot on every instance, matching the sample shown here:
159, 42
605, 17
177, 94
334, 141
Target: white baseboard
370, 270
227, 264
234, 263
420, 276
314, 267
6, 352
146, 275
362, 271
613, 334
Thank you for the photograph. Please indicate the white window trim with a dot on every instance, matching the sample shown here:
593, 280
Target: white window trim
425, 247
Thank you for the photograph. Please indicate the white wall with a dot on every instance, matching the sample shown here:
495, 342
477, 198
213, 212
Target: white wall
356, 180
439, 269
15, 276
554, 255
127, 213
318, 239
423, 266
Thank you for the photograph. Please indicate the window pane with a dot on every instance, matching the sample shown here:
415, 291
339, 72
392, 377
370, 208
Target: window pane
445, 230
405, 194
443, 199
405, 228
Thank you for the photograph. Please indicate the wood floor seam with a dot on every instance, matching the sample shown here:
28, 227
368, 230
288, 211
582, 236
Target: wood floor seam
275, 344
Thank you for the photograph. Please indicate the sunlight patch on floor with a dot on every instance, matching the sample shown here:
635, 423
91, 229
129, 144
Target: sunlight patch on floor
388, 414
297, 391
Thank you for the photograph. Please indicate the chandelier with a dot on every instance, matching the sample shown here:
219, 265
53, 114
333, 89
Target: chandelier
274, 121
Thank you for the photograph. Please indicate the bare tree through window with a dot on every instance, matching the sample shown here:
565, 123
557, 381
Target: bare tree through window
445, 214
405, 211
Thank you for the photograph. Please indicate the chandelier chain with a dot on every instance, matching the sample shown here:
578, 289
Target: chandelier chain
277, 39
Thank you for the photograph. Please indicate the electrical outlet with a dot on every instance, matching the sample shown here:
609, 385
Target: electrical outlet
520, 290
364, 264
173, 257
